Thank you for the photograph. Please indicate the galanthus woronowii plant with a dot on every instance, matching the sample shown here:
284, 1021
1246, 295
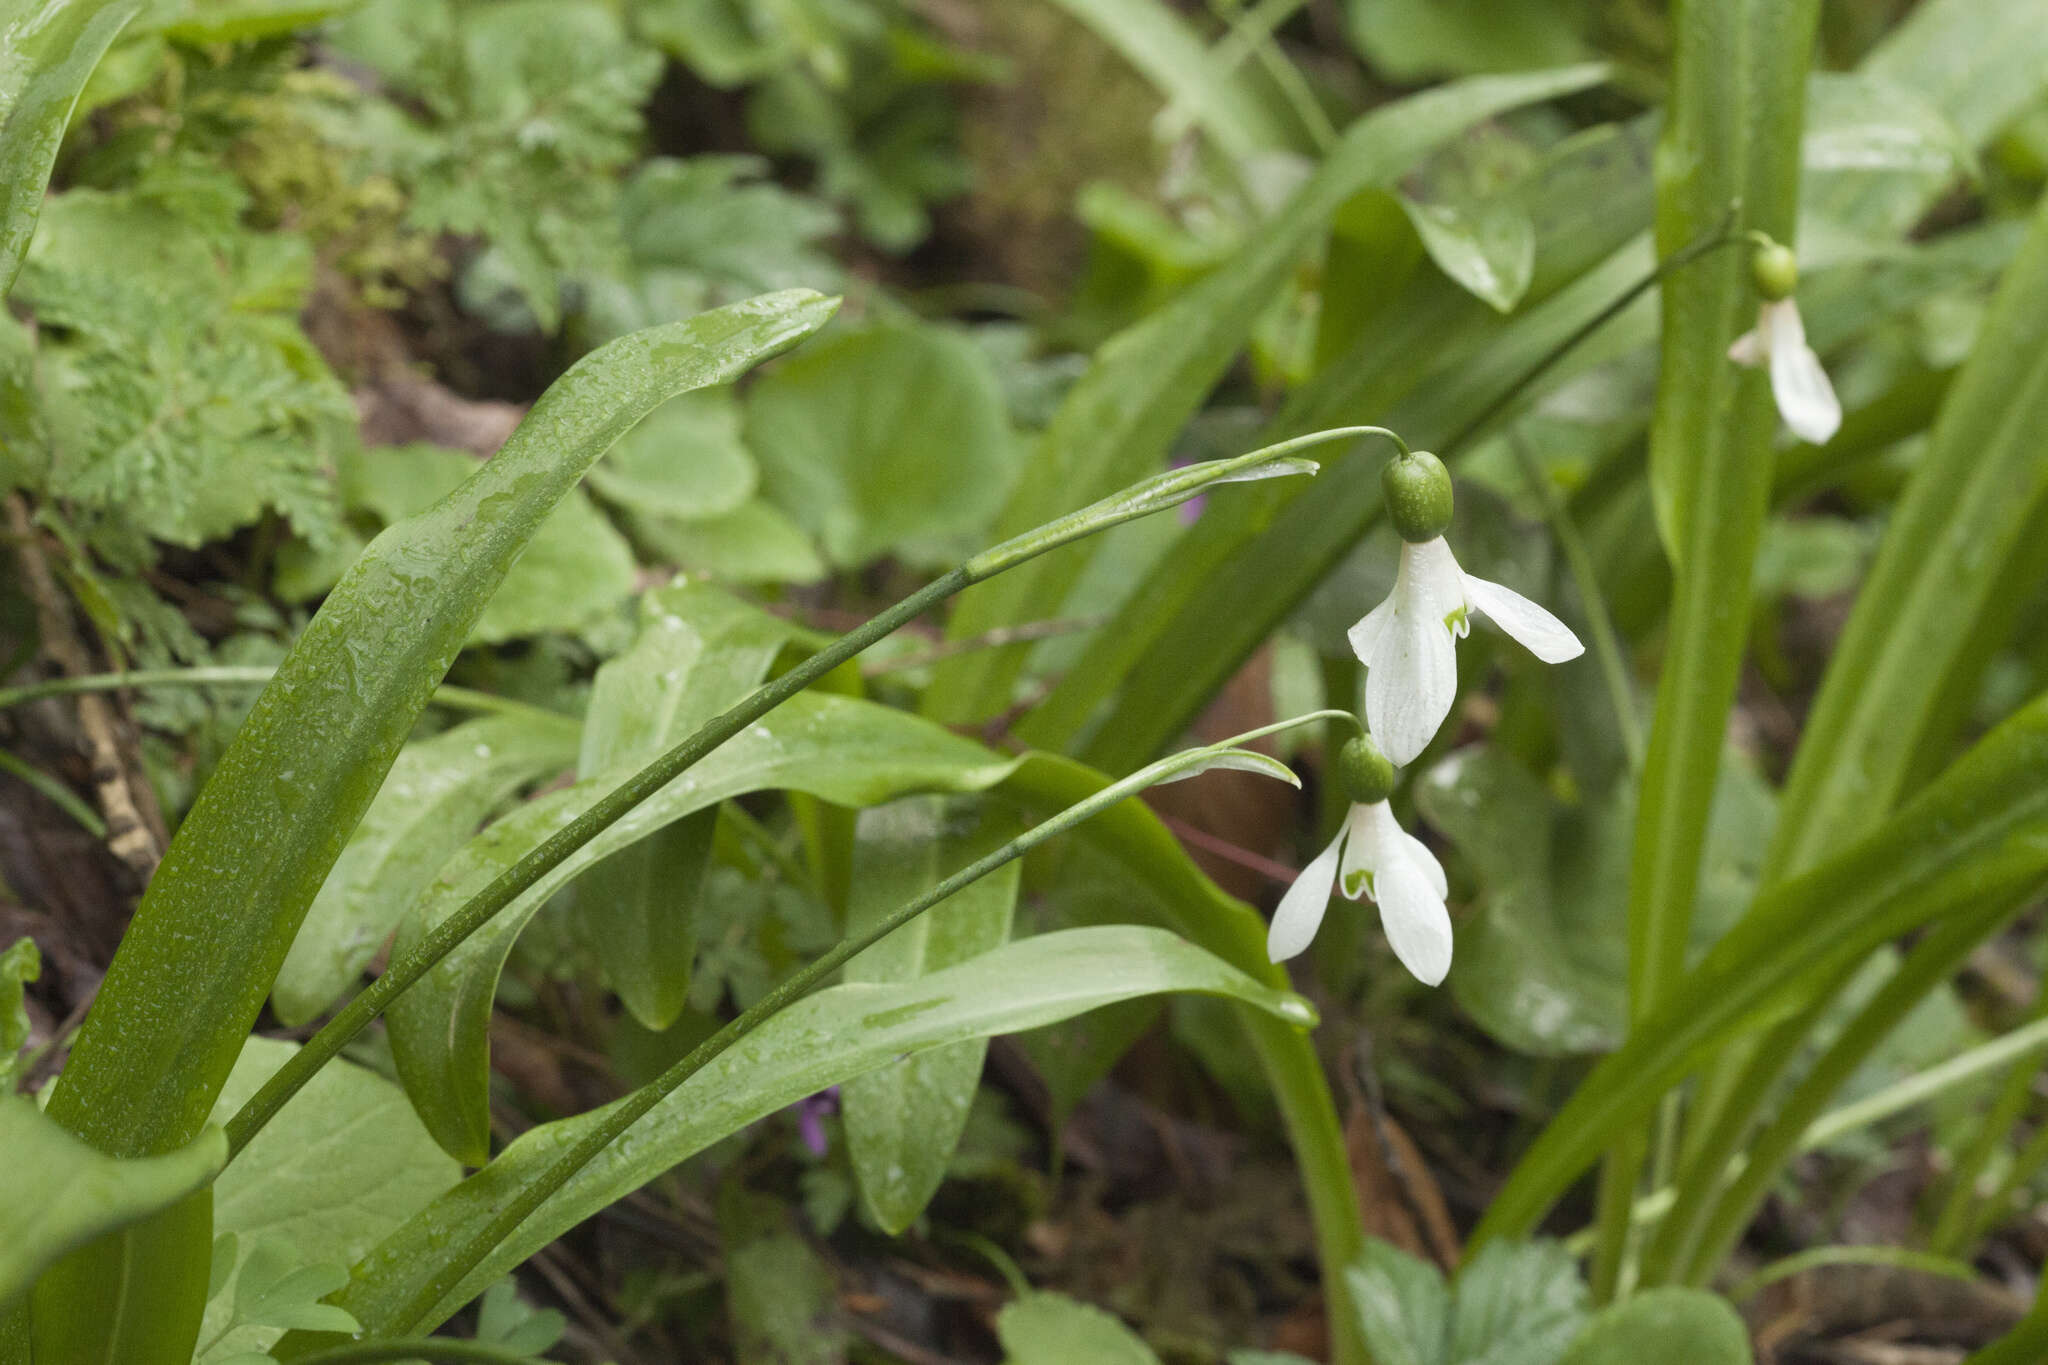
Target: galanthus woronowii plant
1407, 646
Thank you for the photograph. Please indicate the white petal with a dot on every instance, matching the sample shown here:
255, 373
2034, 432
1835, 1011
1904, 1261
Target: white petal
1416, 923
1748, 349
1410, 682
1433, 870
1301, 909
1365, 636
1362, 845
1542, 634
1806, 400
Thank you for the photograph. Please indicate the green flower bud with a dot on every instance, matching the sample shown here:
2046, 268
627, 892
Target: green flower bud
1775, 271
1364, 771
1418, 490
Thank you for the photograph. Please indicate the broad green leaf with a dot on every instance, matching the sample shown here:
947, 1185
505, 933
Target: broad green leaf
1412, 40
885, 440
1542, 960
685, 460
1488, 246
438, 791
341, 1165
698, 652
1515, 1304
574, 570
505, 1320
1969, 839
1961, 550
19, 965
1052, 1329
1512, 1304
1664, 1324
839, 749
64, 1194
48, 50
239, 21
779, 1293
1118, 421
826, 1039
1403, 1305
754, 543
214, 926
273, 1291
1154, 38
903, 1122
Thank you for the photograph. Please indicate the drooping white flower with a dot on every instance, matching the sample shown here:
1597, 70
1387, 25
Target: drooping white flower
1805, 398
1406, 643
1374, 857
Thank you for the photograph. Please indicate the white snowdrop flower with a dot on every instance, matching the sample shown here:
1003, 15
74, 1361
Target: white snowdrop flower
1805, 398
1406, 642
1372, 856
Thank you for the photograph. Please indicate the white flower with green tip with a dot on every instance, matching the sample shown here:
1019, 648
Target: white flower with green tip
1407, 642
1805, 398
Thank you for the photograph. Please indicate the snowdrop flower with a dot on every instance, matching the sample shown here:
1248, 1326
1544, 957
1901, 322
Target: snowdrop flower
1374, 857
1805, 399
1406, 642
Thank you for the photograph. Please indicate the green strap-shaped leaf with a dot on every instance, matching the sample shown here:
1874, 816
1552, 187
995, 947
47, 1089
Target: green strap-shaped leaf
835, 1034
1442, 357
48, 50
1116, 424
1978, 834
839, 749
438, 791
699, 651
1963, 547
903, 1121
224, 906
1731, 135
63, 1194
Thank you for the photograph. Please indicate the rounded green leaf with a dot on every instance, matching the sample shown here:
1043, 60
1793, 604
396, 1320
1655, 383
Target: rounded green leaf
886, 440
1664, 1324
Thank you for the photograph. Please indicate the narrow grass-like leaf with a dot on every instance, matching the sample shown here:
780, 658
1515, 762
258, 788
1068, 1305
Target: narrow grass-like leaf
844, 1031
1960, 553
437, 793
1978, 834
1147, 381
903, 1121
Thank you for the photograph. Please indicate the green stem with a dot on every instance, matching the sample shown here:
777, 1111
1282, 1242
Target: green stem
1814, 1258
1999, 1204
457, 698
1614, 671
60, 796
1150, 495
419, 1348
1991, 1137
457, 1261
